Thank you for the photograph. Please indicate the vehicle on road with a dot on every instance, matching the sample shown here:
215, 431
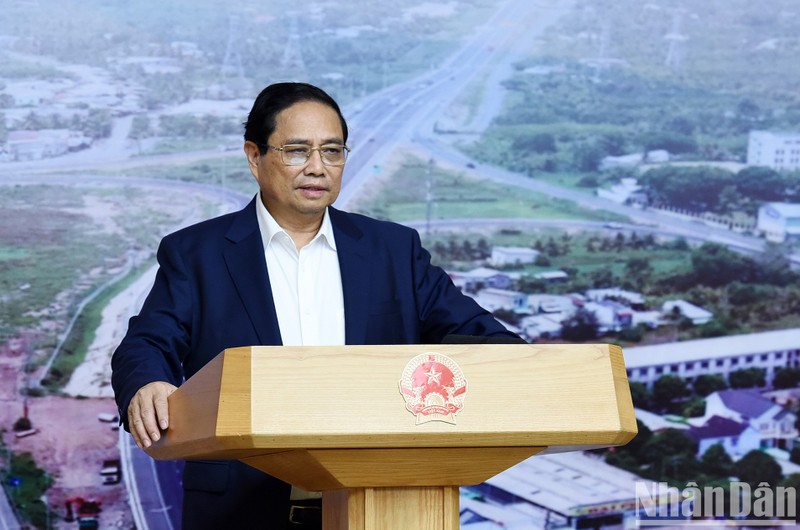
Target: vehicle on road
111, 472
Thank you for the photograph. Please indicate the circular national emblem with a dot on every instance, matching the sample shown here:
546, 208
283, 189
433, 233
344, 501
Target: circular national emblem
433, 387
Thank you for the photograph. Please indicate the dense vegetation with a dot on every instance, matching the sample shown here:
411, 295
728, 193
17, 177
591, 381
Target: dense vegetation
25, 485
570, 118
337, 45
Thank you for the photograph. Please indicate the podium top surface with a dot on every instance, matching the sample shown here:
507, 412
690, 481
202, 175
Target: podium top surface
271, 398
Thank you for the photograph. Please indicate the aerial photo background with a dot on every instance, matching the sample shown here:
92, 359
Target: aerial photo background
608, 136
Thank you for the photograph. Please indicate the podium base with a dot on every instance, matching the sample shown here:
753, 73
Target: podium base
420, 508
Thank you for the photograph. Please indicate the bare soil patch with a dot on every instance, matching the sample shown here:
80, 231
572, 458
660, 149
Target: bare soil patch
71, 445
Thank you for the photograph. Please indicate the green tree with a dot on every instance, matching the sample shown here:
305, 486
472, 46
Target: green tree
210, 126
716, 462
774, 265
748, 109
179, 125
140, 129
706, 384
98, 124
603, 277
748, 378
730, 200
580, 327
640, 395
506, 315
613, 143
552, 248
586, 156
638, 271
32, 484
668, 389
673, 142
643, 436
32, 122
483, 249
633, 334
743, 294
630, 456
681, 125
694, 408
715, 265
786, 377
756, 467
692, 188
761, 184
536, 143
671, 455
715, 328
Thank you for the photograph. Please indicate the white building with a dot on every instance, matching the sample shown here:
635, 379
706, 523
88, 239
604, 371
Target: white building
513, 256
651, 319
575, 490
35, 145
615, 293
483, 277
773, 424
627, 189
611, 316
779, 221
737, 438
478, 515
776, 150
551, 276
696, 314
552, 303
493, 299
656, 422
545, 326
718, 356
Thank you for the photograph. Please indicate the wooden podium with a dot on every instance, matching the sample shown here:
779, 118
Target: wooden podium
389, 433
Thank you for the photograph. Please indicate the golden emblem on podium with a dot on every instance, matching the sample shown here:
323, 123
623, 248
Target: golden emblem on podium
433, 387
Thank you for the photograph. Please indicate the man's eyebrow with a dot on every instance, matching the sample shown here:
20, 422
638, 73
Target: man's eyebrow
306, 141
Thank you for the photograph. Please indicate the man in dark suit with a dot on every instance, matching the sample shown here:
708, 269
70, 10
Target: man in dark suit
287, 269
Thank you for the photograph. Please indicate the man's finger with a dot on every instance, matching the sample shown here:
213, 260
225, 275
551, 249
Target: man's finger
149, 424
162, 410
136, 426
148, 413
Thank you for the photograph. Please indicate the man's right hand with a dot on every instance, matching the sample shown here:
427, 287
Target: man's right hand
148, 413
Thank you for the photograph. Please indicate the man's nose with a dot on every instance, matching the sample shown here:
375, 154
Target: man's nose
315, 165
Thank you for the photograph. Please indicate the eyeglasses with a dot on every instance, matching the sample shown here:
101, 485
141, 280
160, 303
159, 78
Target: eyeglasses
298, 154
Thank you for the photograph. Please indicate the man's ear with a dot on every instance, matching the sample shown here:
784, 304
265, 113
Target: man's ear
253, 154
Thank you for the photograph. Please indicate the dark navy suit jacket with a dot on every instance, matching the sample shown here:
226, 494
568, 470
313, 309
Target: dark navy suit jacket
212, 292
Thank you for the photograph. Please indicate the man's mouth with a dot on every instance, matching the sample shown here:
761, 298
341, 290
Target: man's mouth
313, 191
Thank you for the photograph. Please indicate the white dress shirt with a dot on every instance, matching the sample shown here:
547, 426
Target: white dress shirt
306, 288
306, 284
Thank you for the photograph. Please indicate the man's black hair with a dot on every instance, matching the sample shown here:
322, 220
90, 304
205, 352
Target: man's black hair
262, 120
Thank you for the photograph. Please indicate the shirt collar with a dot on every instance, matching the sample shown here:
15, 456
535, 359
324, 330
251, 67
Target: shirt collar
269, 227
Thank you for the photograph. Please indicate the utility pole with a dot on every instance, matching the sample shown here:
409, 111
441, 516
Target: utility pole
429, 203
292, 62
234, 82
676, 47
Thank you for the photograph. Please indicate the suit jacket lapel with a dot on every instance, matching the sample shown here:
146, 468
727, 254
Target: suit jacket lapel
356, 275
246, 265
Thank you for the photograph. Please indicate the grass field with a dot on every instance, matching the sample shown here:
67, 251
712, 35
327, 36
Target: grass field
458, 195
58, 244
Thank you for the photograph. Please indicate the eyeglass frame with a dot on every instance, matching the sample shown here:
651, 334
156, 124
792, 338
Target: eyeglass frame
346, 151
